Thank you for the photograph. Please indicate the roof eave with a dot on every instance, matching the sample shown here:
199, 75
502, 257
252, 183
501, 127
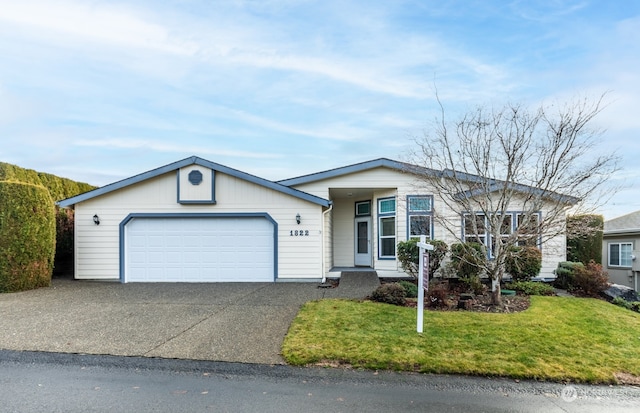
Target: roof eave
193, 160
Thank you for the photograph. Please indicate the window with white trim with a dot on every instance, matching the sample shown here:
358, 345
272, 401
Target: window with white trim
477, 233
419, 215
620, 254
526, 224
387, 228
363, 208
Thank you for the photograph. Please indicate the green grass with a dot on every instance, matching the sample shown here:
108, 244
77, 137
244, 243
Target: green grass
557, 338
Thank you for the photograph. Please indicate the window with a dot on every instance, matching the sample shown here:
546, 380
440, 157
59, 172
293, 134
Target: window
477, 232
419, 215
527, 226
363, 209
620, 254
387, 228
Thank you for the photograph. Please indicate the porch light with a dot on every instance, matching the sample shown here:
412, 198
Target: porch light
96, 219
298, 218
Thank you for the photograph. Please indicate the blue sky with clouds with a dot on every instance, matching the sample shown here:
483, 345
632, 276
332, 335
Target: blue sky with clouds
100, 90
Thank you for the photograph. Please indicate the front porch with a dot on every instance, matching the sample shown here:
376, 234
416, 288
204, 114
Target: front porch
336, 272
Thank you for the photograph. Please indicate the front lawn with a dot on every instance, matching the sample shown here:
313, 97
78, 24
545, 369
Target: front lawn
557, 338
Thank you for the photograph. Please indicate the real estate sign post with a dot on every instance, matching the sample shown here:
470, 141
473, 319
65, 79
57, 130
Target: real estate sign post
423, 277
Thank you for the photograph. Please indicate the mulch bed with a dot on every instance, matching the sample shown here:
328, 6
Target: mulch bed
481, 304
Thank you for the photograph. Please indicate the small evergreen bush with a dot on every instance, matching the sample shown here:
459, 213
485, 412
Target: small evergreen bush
408, 255
565, 275
391, 293
410, 288
531, 288
468, 258
621, 302
523, 263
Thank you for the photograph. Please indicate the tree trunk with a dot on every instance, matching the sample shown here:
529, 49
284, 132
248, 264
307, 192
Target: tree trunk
496, 296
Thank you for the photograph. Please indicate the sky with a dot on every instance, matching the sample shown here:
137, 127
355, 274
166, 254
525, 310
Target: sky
98, 91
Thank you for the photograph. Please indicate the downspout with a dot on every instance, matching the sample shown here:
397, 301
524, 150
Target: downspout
324, 214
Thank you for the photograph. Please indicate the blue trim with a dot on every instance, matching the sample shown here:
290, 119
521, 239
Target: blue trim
211, 201
419, 213
194, 160
355, 204
198, 215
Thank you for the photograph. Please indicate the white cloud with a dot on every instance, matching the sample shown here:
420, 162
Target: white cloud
160, 146
96, 22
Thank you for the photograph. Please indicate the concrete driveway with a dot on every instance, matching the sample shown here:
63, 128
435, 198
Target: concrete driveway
237, 322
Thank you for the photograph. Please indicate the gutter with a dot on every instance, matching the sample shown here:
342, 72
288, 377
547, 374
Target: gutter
324, 214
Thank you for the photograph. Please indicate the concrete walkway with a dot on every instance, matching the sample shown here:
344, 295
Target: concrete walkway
239, 322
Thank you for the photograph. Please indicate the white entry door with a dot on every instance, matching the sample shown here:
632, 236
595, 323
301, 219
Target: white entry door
363, 242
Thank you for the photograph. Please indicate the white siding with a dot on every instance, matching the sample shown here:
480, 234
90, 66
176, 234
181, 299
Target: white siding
200, 192
97, 246
384, 182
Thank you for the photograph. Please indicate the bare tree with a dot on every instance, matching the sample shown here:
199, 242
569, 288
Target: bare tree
491, 162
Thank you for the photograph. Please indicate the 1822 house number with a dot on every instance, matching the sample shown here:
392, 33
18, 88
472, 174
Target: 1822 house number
299, 233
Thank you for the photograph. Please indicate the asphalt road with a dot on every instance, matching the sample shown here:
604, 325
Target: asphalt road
54, 382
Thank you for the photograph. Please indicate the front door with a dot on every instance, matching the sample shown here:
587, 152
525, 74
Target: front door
363, 242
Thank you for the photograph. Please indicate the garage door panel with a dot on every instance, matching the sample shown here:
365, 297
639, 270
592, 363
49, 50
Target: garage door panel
203, 249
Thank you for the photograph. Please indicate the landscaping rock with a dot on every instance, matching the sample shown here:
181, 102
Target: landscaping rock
617, 290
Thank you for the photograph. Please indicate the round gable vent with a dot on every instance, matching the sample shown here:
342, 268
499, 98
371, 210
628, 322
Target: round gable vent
195, 177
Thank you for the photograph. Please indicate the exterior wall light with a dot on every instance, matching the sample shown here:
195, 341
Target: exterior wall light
298, 218
96, 219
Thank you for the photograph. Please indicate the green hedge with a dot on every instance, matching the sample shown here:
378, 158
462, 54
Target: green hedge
59, 188
27, 236
584, 238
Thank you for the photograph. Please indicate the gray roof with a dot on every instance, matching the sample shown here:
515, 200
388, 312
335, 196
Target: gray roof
194, 160
358, 167
629, 223
419, 170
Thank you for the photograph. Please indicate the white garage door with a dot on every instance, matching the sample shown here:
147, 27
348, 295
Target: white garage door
211, 249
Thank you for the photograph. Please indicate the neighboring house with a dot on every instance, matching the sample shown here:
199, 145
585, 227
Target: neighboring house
620, 246
199, 221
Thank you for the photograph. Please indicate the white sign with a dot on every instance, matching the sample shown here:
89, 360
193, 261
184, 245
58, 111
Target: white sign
423, 277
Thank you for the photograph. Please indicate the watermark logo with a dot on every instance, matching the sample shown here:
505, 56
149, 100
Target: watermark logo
569, 394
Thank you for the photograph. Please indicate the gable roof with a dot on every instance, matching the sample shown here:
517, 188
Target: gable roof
419, 170
358, 167
625, 224
194, 160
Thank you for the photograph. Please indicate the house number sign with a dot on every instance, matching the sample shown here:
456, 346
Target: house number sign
299, 233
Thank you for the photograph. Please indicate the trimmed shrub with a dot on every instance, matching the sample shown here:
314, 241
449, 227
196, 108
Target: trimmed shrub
531, 288
523, 263
408, 255
590, 280
410, 288
565, 274
391, 293
468, 258
584, 238
471, 284
621, 302
27, 236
